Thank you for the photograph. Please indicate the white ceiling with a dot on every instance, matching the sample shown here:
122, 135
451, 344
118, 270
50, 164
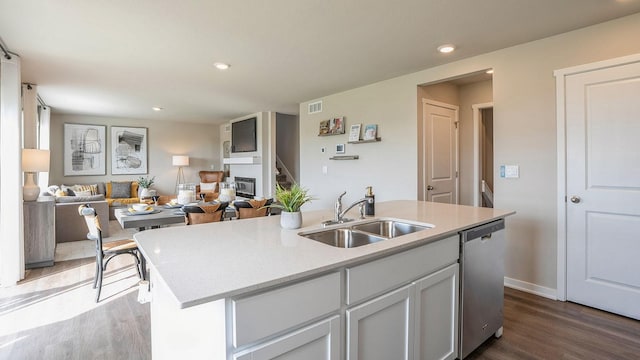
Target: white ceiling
120, 58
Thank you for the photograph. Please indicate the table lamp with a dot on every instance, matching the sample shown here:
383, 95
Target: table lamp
33, 161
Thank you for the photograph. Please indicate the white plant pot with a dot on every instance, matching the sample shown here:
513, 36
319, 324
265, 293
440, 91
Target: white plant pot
145, 193
291, 220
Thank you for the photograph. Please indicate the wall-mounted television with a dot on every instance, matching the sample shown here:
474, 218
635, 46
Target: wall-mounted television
243, 136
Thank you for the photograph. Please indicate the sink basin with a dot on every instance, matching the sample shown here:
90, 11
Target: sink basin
364, 233
344, 238
389, 228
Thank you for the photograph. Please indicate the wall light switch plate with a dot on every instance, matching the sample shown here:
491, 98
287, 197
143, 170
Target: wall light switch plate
510, 171
325, 169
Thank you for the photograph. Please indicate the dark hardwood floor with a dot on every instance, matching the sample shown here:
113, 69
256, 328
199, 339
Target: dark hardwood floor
539, 328
51, 315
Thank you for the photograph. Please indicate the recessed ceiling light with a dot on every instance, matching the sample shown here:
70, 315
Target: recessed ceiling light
447, 48
221, 66
157, 108
490, 71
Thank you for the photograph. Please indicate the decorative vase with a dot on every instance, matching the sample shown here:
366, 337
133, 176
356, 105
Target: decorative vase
145, 193
290, 220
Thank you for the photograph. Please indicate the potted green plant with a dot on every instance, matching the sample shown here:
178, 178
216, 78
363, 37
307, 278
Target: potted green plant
144, 183
290, 201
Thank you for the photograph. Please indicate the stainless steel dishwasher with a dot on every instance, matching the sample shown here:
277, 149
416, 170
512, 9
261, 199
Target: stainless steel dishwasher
481, 284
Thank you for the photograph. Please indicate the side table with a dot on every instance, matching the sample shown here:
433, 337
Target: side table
39, 232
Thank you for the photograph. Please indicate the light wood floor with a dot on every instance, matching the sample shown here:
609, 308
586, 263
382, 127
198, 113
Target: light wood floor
51, 315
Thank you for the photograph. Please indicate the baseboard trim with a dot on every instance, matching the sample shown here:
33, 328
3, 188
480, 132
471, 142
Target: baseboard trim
545, 292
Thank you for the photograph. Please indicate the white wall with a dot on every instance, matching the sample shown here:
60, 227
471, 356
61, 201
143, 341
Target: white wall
524, 134
264, 172
165, 139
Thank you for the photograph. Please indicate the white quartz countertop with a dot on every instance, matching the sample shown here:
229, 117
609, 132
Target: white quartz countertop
207, 262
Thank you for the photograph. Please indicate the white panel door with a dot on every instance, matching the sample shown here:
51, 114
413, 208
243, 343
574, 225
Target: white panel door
603, 189
441, 152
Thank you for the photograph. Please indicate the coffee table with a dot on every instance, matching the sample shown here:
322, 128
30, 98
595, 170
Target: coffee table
144, 221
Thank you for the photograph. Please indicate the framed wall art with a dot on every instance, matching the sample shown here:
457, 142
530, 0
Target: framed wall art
85, 150
370, 132
333, 126
354, 132
128, 150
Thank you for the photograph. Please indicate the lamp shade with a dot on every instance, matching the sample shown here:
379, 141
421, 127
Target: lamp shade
180, 160
35, 160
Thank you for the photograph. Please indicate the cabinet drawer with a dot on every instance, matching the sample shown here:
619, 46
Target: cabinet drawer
256, 317
379, 276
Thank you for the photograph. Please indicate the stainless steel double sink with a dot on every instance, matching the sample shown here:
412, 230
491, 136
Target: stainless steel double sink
364, 233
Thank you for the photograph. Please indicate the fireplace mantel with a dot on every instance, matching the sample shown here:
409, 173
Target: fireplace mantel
246, 160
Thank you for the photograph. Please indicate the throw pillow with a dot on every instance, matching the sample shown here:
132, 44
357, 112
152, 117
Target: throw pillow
120, 190
93, 189
208, 187
53, 189
84, 193
68, 190
60, 193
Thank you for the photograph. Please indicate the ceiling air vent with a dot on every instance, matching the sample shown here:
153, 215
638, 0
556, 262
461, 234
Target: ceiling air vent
315, 107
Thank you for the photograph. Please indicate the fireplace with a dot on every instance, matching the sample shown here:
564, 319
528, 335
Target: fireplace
245, 187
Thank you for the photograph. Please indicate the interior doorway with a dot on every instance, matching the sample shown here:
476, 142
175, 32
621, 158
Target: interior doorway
463, 93
483, 154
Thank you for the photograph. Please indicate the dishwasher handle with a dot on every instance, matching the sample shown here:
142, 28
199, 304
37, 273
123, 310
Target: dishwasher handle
483, 231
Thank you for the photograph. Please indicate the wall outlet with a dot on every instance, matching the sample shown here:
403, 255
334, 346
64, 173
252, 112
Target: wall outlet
325, 169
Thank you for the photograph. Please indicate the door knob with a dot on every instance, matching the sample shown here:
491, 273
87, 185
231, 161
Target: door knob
429, 187
575, 199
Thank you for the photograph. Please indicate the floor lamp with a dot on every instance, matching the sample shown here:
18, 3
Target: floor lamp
180, 161
33, 161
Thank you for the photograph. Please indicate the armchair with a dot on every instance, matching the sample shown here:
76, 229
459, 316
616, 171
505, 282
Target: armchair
213, 179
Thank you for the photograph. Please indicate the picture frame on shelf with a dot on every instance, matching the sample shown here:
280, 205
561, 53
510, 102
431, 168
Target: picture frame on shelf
370, 132
128, 150
354, 132
333, 126
85, 151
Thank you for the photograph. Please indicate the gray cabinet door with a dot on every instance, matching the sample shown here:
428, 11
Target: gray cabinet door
436, 314
382, 328
320, 341
39, 232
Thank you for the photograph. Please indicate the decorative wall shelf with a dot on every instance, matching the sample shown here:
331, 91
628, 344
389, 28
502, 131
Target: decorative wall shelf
344, 157
365, 141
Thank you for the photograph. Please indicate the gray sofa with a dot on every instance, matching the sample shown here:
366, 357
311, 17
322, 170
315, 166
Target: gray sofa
71, 227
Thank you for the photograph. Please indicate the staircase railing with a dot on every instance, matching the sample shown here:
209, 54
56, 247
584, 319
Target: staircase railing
283, 167
487, 194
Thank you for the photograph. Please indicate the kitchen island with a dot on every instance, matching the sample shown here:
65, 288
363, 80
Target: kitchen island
247, 289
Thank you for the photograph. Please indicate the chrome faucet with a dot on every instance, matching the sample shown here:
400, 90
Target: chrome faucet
338, 208
339, 213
